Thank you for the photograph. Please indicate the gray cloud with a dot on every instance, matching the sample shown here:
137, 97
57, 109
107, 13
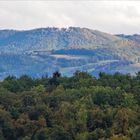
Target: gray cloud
108, 16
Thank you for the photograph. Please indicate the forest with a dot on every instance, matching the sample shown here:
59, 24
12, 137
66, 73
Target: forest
80, 107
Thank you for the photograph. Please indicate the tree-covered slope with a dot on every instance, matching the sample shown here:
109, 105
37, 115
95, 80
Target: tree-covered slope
45, 50
54, 38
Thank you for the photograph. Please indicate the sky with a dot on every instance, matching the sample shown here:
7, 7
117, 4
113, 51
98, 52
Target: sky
108, 16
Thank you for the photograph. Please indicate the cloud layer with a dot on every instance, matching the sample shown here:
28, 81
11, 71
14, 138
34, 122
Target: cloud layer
109, 16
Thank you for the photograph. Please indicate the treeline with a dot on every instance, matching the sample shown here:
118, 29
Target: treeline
80, 107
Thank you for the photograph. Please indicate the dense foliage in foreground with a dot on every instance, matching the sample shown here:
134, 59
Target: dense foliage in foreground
80, 107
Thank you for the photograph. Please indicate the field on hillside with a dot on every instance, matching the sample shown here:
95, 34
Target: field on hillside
42, 51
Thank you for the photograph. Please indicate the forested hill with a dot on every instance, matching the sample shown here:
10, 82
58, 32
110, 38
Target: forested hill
45, 50
80, 107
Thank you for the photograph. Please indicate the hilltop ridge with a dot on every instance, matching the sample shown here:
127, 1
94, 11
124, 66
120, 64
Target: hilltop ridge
45, 50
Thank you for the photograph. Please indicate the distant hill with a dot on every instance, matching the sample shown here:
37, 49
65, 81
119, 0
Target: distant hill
54, 38
134, 37
45, 50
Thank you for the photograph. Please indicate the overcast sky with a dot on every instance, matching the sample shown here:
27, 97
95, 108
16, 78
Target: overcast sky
108, 16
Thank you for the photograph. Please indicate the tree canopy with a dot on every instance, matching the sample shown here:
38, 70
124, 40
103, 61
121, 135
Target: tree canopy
80, 107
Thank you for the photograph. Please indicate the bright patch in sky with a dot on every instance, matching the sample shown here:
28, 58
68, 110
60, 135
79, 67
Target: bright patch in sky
109, 16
